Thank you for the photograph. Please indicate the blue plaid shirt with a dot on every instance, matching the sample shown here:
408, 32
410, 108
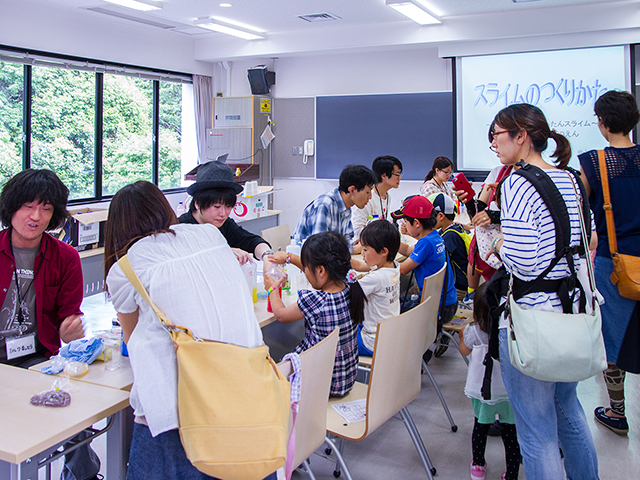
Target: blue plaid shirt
322, 313
327, 213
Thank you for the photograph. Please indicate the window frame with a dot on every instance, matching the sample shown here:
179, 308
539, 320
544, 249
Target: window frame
30, 58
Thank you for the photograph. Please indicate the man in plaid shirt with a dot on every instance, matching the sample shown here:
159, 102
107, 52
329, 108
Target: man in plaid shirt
331, 211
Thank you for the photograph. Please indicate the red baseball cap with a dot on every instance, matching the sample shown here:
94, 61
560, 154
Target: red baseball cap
414, 207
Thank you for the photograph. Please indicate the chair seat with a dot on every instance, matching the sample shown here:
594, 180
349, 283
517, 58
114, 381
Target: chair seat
337, 425
366, 361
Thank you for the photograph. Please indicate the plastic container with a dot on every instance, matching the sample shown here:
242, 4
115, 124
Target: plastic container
112, 351
250, 270
180, 210
276, 273
293, 272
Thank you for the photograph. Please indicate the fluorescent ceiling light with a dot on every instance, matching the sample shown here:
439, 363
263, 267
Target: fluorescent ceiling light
220, 27
144, 5
414, 10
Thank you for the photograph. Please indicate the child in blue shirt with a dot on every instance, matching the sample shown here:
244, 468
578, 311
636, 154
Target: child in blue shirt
428, 255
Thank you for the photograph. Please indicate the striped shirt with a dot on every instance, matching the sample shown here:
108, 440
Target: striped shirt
530, 239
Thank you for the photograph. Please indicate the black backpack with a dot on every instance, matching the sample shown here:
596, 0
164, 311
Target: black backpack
499, 283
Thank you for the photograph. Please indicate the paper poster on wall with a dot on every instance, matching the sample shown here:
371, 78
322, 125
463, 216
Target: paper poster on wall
564, 84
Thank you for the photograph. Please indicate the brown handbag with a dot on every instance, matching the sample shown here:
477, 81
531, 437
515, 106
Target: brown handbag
626, 268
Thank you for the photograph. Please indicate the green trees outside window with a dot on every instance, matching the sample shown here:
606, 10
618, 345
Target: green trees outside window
95, 130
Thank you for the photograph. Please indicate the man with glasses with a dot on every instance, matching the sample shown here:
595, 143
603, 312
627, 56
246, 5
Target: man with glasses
388, 172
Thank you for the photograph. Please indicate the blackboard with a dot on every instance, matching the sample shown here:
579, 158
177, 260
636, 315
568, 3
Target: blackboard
355, 129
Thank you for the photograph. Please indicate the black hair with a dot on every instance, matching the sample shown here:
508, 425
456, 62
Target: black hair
357, 175
427, 223
618, 111
481, 308
440, 163
331, 250
381, 234
522, 116
385, 164
450, 216
32, 185
210, 196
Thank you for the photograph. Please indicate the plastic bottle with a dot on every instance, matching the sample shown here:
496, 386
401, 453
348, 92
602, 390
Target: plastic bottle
276, 273
180, 209
293, 272
250, 270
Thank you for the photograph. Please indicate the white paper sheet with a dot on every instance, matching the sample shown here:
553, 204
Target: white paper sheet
352, 412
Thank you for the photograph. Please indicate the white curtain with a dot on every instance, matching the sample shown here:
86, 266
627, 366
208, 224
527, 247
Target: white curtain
203, 97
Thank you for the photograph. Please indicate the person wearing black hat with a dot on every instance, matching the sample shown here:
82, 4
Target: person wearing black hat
214, 196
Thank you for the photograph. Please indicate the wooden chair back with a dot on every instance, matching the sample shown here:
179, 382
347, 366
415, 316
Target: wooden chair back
317, 368
278, 237
395, 379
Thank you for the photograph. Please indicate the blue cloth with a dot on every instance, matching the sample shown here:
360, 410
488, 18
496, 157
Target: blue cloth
162, 457
327, 213
616, 310
83, 350
362, 350
548, 413
430, 254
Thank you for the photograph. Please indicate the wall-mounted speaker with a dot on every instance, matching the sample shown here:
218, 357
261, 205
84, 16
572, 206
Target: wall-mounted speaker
260, 80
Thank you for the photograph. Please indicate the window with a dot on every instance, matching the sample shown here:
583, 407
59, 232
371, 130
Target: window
127, 132
177, 130
98, 126
11, 125
62, 126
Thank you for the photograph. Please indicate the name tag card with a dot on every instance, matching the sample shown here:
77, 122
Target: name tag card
20, 346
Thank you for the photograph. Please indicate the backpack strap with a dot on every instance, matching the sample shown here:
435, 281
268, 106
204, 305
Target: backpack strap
554, 201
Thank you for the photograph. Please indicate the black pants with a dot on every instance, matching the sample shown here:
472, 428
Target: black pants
509, 439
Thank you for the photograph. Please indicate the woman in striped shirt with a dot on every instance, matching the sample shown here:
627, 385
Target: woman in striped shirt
546, 413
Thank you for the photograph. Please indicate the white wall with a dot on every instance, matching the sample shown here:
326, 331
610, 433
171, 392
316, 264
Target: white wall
404, 70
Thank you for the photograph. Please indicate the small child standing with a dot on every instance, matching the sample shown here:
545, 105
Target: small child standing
475, 341
380, 241
337, 301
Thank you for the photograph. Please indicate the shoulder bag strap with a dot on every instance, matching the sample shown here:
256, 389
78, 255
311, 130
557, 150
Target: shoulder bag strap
611, 226
125, 264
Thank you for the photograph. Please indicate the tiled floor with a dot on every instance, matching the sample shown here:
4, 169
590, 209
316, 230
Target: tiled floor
389, 453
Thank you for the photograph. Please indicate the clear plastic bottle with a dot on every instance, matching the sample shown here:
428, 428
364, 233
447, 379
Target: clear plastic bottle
293, 272
180, 209
250, 270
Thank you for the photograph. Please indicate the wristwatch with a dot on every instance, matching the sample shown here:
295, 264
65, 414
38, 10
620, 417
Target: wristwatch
267, 252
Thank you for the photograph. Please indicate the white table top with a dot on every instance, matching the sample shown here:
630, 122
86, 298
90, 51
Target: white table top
28, 430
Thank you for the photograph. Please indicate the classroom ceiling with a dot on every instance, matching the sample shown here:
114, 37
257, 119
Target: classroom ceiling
357, 22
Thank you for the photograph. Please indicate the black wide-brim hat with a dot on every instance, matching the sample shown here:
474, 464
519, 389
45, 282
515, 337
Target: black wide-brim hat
214, 175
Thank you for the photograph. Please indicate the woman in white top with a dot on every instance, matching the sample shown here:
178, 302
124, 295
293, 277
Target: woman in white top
437, 178
192, 276
546, 413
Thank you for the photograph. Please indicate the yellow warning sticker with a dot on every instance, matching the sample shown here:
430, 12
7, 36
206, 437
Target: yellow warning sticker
265, 105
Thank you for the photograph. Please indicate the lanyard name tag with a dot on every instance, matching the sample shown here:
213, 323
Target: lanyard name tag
20, 346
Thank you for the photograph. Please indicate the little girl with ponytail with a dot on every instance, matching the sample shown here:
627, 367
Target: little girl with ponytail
337, 301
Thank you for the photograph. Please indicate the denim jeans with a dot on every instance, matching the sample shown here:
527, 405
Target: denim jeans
548, 415
162, 457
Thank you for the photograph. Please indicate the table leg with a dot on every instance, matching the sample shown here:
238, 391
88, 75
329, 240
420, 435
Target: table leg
27, 470
116, 446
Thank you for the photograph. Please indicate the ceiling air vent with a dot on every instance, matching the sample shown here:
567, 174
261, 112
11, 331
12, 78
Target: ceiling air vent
319, 17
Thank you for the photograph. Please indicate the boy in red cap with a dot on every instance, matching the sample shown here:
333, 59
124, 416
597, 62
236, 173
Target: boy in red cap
428, 255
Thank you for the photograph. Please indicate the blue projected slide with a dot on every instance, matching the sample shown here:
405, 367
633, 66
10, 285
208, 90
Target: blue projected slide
564, 84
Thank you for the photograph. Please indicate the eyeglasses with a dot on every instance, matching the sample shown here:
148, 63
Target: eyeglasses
448, 174
493, 139
395, 174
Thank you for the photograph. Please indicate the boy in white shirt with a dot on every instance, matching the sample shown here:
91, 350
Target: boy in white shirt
380, 241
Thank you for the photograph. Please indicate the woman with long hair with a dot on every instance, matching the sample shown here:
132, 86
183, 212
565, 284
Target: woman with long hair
438, 177
193, 277
546, 413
